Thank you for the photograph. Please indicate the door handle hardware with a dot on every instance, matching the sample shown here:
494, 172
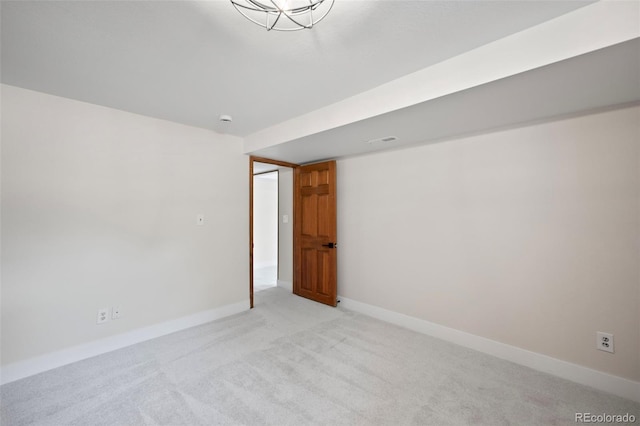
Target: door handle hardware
330, 245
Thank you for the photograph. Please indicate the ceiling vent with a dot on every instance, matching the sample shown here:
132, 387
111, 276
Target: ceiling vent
380, 141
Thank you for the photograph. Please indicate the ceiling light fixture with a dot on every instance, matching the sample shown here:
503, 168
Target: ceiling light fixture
284, 15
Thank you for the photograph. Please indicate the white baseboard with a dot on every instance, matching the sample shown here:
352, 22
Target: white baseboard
576, 373
287, 285
39, 364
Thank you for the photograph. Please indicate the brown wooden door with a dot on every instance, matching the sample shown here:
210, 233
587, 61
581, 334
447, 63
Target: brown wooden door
315, 258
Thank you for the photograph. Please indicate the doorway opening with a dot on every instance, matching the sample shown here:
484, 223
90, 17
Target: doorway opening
271, 225
266, 242
310, 219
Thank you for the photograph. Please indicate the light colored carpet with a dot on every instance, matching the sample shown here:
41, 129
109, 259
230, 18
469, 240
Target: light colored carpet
291, 361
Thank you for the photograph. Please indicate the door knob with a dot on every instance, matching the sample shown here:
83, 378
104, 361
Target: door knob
330, 245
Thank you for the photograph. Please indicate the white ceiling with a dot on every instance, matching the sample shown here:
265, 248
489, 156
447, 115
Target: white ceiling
371, 69
189, 62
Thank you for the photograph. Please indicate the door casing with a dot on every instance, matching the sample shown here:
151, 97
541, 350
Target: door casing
253, 159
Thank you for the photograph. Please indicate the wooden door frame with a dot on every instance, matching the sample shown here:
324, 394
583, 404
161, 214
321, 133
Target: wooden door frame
292, 166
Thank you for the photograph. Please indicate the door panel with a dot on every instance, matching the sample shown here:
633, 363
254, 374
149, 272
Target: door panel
309, 210
324, 223
324, 266
315, 270
308, 281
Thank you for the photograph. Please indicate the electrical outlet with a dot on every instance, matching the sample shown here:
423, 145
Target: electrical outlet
103, 316
604, 341
115, 313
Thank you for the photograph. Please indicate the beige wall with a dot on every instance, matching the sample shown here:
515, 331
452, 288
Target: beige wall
99, 209
528, 236
285, 239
